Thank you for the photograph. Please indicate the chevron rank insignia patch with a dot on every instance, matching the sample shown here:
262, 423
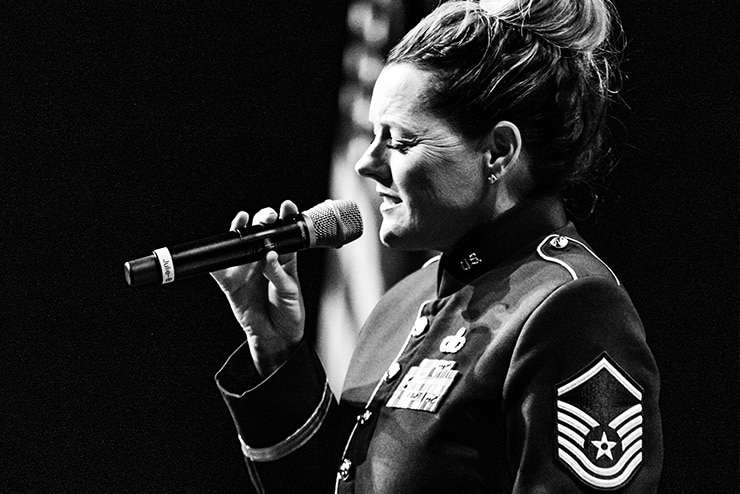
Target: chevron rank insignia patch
599, 425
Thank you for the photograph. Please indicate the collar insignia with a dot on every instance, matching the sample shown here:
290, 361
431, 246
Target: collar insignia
470, 261
599, 425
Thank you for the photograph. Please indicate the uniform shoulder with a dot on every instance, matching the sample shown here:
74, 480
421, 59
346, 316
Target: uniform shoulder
573, 255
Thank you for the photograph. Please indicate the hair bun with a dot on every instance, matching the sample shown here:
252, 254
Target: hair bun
578, 25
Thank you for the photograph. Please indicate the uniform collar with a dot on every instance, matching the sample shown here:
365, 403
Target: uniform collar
492, 243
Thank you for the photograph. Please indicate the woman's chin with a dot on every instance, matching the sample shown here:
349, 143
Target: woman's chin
391, 238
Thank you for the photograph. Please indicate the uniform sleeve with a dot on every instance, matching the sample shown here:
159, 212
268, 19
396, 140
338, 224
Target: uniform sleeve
581, 396
283, 422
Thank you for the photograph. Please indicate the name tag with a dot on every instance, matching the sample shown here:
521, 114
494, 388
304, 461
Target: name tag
424, 386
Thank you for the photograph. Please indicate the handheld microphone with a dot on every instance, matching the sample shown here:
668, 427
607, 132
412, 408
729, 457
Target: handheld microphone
329, 224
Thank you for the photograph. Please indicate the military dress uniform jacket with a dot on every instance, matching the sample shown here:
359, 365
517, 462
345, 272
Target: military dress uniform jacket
516, 363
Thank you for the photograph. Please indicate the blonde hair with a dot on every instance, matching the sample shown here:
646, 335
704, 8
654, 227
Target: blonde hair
548, 66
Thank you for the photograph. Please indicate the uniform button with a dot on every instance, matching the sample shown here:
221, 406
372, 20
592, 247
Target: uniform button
559, 242
392, 372
364, 417
420, 326
345, 470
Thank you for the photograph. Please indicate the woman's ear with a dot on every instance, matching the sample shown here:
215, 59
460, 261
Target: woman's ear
505, 145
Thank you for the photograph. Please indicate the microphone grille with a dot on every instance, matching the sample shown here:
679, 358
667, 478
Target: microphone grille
335, 222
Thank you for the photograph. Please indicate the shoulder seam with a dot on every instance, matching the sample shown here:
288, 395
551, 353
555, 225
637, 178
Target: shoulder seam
564, 264
597, 258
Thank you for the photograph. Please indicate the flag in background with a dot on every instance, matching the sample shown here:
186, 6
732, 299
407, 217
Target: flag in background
360, 272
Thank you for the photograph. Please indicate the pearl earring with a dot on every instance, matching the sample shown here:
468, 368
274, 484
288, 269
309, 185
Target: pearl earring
492, 179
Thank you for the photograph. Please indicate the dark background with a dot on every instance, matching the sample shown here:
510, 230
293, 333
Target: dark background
128, 126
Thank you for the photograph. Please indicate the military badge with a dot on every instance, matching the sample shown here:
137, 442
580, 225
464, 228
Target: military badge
599, 425
425, 385
453, 343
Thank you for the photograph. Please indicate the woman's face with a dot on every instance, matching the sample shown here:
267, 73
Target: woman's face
432, 179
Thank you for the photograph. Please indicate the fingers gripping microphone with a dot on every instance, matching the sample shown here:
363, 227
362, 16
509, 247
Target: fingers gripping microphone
329, 224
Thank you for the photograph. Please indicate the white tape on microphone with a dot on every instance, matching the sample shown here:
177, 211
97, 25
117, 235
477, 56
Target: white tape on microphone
165, 264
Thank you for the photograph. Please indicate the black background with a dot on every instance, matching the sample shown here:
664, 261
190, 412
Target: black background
128, 126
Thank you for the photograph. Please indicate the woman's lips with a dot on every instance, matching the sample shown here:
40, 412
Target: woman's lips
389, 200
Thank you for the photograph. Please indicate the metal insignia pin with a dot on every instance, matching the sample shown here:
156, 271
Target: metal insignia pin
559, 242
453, 343
470, 261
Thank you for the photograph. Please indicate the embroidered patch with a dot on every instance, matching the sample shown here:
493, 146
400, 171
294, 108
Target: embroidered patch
424, 386
599, 425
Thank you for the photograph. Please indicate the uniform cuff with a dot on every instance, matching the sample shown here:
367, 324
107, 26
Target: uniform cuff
277, 415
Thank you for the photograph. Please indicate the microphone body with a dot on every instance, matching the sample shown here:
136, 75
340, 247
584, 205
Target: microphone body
329, 224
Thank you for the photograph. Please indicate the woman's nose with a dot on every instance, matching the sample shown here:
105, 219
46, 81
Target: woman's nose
374, 163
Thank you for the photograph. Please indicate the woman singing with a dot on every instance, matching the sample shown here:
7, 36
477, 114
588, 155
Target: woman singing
513, 362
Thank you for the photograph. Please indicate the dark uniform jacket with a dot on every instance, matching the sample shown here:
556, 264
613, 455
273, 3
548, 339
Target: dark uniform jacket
516, 363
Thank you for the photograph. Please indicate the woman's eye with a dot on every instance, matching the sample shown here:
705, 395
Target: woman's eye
400, 146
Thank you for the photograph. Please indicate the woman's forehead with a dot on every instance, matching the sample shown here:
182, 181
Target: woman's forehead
398, 94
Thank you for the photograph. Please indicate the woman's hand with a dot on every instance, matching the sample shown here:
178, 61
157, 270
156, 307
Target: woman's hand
266, 299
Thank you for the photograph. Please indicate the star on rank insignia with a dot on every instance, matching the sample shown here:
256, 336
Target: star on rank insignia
599, 425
